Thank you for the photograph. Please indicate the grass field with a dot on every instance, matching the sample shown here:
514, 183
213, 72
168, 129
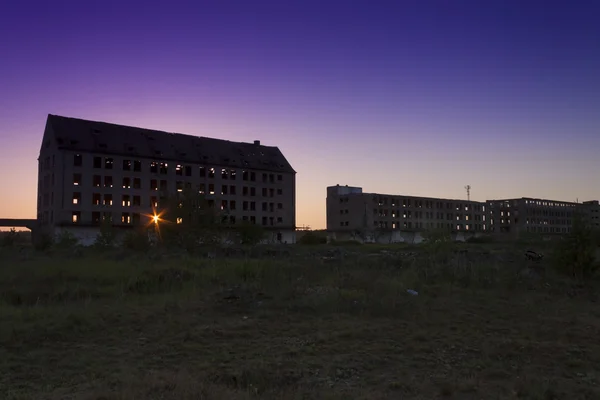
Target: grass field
319, 322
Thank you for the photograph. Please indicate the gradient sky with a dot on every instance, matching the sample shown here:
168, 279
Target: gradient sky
405, 97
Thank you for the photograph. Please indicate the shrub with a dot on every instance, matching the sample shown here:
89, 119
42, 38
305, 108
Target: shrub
106, 237
480, 239
9, 238
136, 240
312, 238
575, 255
65, 240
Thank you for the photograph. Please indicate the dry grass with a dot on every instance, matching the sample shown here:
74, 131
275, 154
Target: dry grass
122, 326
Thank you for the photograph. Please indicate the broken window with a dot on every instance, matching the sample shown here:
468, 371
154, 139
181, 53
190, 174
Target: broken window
265, 192
76, 197
76, 217
97, 162
126, 201
96, 199
232, 174
179, 186
163, 184
232, 190
77, 160
96, 217
108, 200
223, 189
76, 179
108, 181
232, 205
202, 188
126, 165
126, 218
97, 181
137, 166
252, 176
137, 201
252, 206
211, 188
244, 175
108, 163
154, 167
252, 191
245, 206
126, 183
179, 170
211, 172
224, 173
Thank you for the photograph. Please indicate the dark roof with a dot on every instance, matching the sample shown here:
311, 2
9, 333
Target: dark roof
101, 137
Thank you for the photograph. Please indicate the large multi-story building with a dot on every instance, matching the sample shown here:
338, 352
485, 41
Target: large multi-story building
590, 211
531, 215
90, 171
350, 210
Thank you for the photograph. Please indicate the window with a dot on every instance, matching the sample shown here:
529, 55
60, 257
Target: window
280, 206
76, 179
76, 197
163, 184
202, 188
265, 192
137, 166
211, 188
179, 170
264, 220
279, 220
224, 173
96, 199
211, 172
232, 190
279, 177
76, 217
97, 162
264, 178
126, 201
202, 172
153, 184
137, 183
126, 165
244, 175
154, 201
245, 206
271, 207
163, 168
107, 200
126, 218
224, 205
137, 201
77, 160
279, 192
108, 163
108, 181
179, 186
126, 183
271, 178
154, 167
232, 174
252, 176
97, 181
188, 170
232, 205
252, 206
252, 191
264, 206
96, 217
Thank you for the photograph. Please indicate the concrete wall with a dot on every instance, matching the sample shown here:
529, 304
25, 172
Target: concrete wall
399, 236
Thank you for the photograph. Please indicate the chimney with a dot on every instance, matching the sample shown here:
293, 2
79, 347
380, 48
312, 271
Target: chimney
257, 142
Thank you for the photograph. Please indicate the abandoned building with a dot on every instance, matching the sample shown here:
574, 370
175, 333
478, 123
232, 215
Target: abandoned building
396, 218
89, 172
529, 215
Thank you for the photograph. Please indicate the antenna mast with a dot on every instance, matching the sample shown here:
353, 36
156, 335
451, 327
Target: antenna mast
468, 188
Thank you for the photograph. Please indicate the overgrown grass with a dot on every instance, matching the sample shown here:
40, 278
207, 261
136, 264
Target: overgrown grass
118, 325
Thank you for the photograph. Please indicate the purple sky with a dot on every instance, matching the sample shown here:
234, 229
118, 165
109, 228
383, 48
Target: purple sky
407, 97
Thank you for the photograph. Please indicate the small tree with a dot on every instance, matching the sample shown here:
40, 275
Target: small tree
106, 237
10, 238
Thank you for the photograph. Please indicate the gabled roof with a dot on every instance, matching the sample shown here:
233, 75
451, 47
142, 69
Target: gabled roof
101, 137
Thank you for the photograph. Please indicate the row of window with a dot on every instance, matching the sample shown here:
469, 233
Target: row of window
419, 215
162, 168
428, 204
426, 225
106, 199
538, 221
155, 184
136, 218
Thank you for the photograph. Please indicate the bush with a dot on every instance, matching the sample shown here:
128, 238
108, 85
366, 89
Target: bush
66, 240
9, 238
480, 239
136, 240
106, 237
312, 238
575, 255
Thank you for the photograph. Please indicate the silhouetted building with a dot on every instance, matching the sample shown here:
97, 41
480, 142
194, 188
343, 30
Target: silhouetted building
89, 172
351, 210
531, 215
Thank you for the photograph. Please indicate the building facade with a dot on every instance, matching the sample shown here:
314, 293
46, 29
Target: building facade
349, 209
530, 215
90, 171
